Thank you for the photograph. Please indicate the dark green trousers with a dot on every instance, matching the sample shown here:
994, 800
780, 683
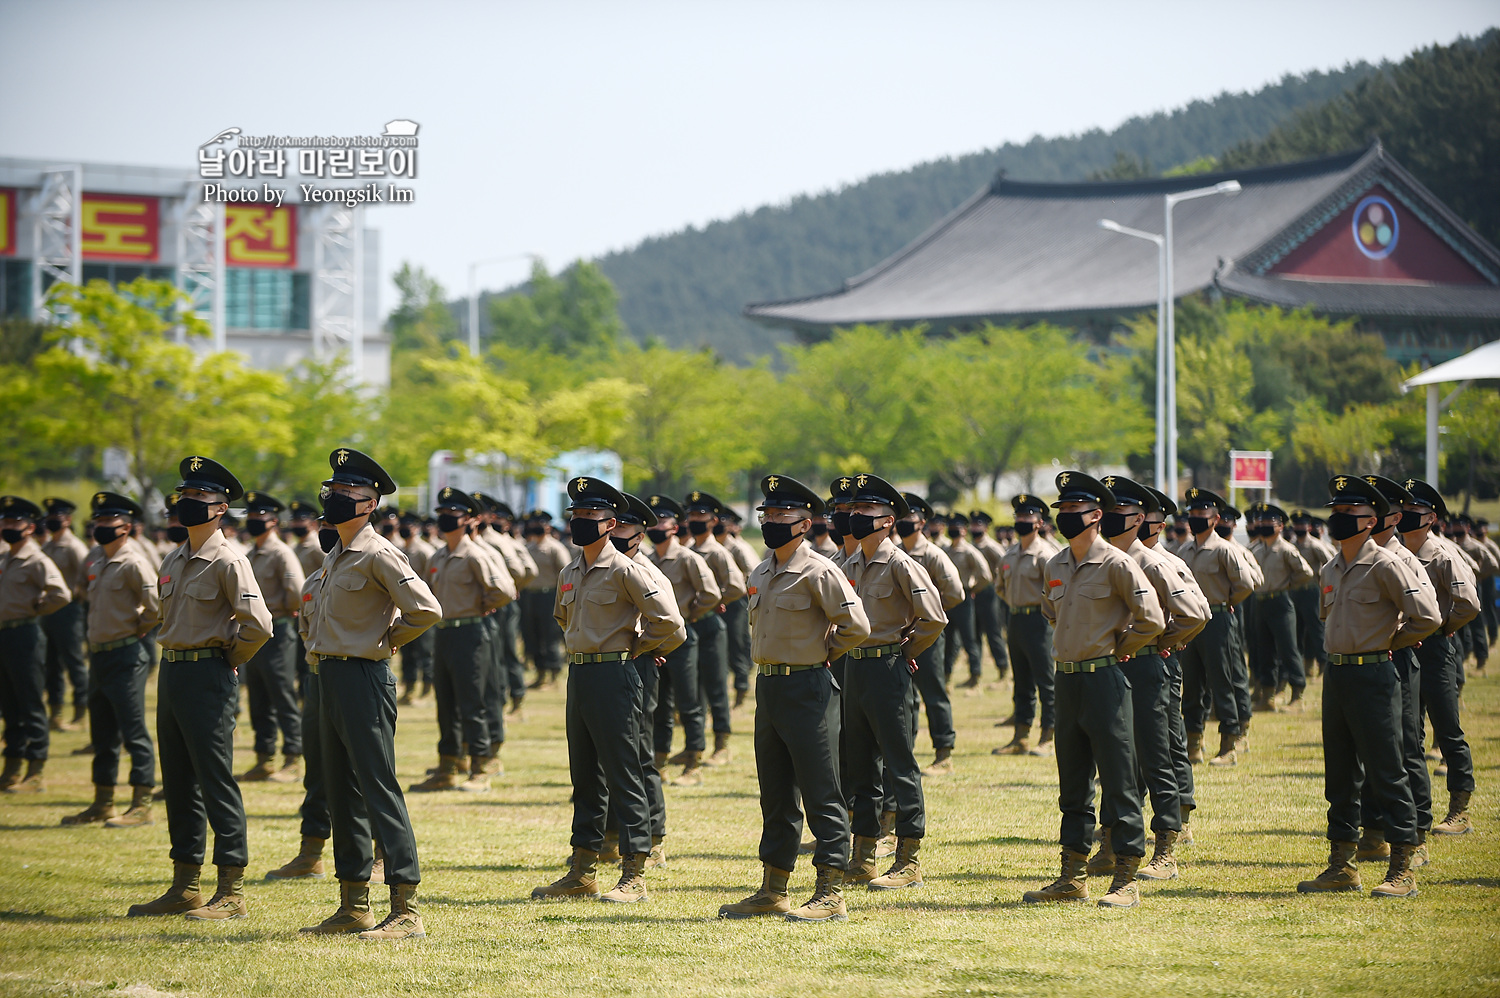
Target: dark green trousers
1209, 672
646, 668
507, 633
796, 750
357, 704
316, 822
1152, 727
462, 664
1413, 749
961, 634
1362, 753
23, 657
270, 679
117, 715
677, 689
604, 713
1030, 638
416, 659
990, 615
1440, 667
737, 630
1096, 733
195, 707
713, 669
1178, 731
539, 631
65, 631
1309, 626
930, 682
880, 724
1274, 658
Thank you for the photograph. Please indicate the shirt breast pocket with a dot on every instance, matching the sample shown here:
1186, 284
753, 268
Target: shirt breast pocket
876, 592
1093, 590
797, 601
603, 598
1364, 594
202, 590
1057, 592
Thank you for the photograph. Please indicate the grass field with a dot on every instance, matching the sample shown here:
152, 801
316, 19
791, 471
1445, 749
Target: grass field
1232, 925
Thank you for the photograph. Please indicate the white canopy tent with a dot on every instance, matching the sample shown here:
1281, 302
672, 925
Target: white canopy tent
1476, 365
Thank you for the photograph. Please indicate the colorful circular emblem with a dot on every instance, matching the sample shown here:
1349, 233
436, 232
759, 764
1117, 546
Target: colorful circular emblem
1376, 228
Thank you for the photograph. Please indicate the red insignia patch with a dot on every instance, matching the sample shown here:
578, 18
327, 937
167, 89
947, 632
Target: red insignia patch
1053, 583
1328, 589
567, 586
307, 597
163, 580
752, 590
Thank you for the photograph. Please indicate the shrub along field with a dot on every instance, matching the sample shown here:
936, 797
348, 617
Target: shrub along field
1232, 925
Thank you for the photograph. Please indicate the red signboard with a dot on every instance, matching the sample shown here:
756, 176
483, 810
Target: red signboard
1249, 469
7, 221
256, 236
121, 227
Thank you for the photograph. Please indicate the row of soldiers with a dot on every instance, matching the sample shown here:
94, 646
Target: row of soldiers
868, 766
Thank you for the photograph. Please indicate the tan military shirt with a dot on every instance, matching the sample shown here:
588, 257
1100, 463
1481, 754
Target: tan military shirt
309, 553
972, 568
309, 587
550, 557
613, 605
513, 553
469, 581
726, 573
122, 596
148, 552
1282, 566
30, 583
994, 557
742, 553
940, 569
1185, 605
1453, 582
1023, 572
803, 612
1102, 605
1220, 569
680, 635
211, 600
68, 553
369, 602
827, 549
692, 581
418, 552
899, 598
279, 575
1375, 603
1487, 562
1315, 552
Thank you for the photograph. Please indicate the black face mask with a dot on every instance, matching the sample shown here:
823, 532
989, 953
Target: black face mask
1343, 526
697, 527
819, 529
337, 508
1224, 530
447, 523
11, 536
387, 529
841, 522
1113, 524
405, 533
177, 534
906, 527
657, 535
586, 532
1070, 525
1144, 532
256, 527
327, 538
1300, 531
1023, 528
106, 535
778, 535
482, 526
976, 535
298, 532
54, 524
1197, 524
534, 531
1410, 521
720, 530
192, 512
861, 525
623, 544
954, 533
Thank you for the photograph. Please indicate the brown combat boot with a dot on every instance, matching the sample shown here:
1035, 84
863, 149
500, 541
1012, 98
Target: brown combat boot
1009, 722
12, 774
942, 763
827, 902
885, 845
1072, 884
183, 895
31, 783
479, 777
1103, 860
139, 814
1123, 891
308, 863
739, 699
1341, 874
680, 758
101, 810
404, 921
1264, 701
906, 869
290, 771
659, 760
579, 882
1372, 845
862, 861
449, 775
692, 771
228, 900
1044, 745
1195, 747
1398, 882
657, 857
1242, 740
1163, 865
265, 766
632, 886
722, 755
1019, 743
377, 866
56, 723
1226, 756
1186, 837
353, 914
1296, 704
1420, 856
610, 854
1457, 822
771, 899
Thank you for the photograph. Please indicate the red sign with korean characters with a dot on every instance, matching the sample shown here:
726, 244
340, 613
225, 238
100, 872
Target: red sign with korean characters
121, 227
1249, 469
257, 236
7, 221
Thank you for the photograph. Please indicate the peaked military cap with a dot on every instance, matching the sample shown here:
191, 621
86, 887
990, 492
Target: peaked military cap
1395, 493
410, 517
114, 504
16, 508
865, 487
260, 502
833, 501
1164, 501
595, 493
1266, 511
957, 517
169, 504
637, 512
1423, 494
1129, 492
209, 475
785, 492
1075, 486
1300, 515
1229, 513
1196, 498
702, 502
351, 467
301, 509
1024, 503
493, 505
539, 516
483, 502
918, 505
57, 505
980, 517
1465, 519
729, 514
664, 506
450, 498
1356, 491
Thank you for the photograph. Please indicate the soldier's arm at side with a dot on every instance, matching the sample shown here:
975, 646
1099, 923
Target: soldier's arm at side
419, 608
734, 581
982, 574
527, 564
55, 593
494, 579
945, 576
660, 619
1463, 590
292, 579
706, 594
1298, 570
1242, 577
1416, 598
930, 616
1147, 619
1186, 615
851, 625
237, 584
143, 581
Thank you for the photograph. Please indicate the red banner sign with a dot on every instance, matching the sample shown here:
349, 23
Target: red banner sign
1249, 469
256, 236
121, 227
7, 222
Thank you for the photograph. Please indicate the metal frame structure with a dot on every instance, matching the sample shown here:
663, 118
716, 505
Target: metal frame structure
338, 304
201, 268
58, 210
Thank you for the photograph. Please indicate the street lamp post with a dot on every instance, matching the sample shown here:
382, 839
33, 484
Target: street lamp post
474, 294
1161, 338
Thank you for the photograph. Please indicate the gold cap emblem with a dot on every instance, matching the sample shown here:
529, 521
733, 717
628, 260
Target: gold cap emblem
582, 484
1023, 497
1063, 478
342, 455
844, 484
98, 497
195, 463
447, 492
1340, 483
694, 497
1193, 493
1109, 481
862, 481
772, 483
1409, 483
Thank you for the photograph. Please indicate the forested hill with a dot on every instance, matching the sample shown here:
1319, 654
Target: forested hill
687, 288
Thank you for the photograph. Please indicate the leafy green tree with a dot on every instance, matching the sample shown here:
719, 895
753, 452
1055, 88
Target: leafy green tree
422, 319
324, 411
572, 311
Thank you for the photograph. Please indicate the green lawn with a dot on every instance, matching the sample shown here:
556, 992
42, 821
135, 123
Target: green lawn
1233, 925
